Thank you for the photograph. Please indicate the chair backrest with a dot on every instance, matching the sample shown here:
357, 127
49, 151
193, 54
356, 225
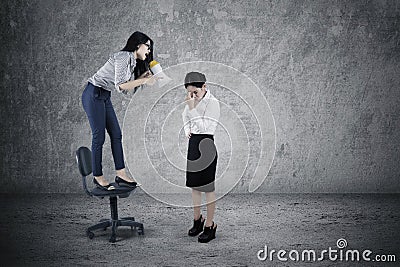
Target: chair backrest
84, 159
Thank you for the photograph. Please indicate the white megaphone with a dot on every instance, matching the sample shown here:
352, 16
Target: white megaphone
158, 73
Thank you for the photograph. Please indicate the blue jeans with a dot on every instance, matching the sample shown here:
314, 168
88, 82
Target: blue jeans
98, 107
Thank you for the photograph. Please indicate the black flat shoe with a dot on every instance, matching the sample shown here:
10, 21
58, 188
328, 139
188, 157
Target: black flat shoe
197, 226
208, 234
122, 182
103, 187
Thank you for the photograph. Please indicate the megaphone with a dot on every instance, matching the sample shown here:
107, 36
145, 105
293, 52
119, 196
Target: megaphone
158, 73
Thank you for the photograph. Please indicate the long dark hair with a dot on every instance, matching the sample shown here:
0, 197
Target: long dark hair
136, 39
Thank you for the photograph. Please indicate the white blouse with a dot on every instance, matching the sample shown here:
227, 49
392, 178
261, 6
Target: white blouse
203, 119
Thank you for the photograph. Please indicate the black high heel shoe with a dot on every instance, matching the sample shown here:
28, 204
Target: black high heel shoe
208, 234
103, 187
197, 227
122, 182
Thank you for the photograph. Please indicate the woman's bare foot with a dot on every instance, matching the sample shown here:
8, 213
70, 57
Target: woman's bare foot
101, 180
122, 174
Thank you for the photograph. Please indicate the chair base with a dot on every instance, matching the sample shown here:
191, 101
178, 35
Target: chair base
115, 222
105, 223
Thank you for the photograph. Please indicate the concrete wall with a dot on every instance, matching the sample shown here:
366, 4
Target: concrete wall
329, 70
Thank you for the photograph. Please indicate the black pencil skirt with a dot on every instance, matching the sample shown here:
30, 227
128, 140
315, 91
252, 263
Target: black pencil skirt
201, 165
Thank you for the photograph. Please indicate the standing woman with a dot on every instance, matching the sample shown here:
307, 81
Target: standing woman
200, 117
124, 71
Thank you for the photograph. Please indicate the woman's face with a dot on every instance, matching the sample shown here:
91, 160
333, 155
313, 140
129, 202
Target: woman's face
197, 93
143, 51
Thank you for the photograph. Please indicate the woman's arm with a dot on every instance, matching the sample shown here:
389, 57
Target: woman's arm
123, 73
130, 85
186, 123
208, 122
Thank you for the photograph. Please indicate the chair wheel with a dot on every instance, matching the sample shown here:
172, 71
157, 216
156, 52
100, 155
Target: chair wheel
90, 234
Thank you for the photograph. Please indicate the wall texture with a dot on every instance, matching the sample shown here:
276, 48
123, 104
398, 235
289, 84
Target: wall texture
329, 70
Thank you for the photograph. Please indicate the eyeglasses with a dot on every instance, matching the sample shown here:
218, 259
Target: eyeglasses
148, 46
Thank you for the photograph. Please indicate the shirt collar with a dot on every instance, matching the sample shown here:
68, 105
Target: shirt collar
207, 96
205, 99
133, 60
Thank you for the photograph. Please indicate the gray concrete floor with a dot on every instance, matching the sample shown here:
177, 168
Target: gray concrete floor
49, 230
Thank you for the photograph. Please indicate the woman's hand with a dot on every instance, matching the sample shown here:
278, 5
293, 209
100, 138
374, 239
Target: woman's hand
189, 135
146, 74
150, 80
190, 100
146, 78
130, 85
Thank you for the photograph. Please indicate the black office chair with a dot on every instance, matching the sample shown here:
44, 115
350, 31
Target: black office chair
84, 159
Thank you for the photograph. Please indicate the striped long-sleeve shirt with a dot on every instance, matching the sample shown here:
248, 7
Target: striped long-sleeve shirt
117, 70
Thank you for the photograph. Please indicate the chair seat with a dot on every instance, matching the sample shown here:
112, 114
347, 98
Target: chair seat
119, 191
